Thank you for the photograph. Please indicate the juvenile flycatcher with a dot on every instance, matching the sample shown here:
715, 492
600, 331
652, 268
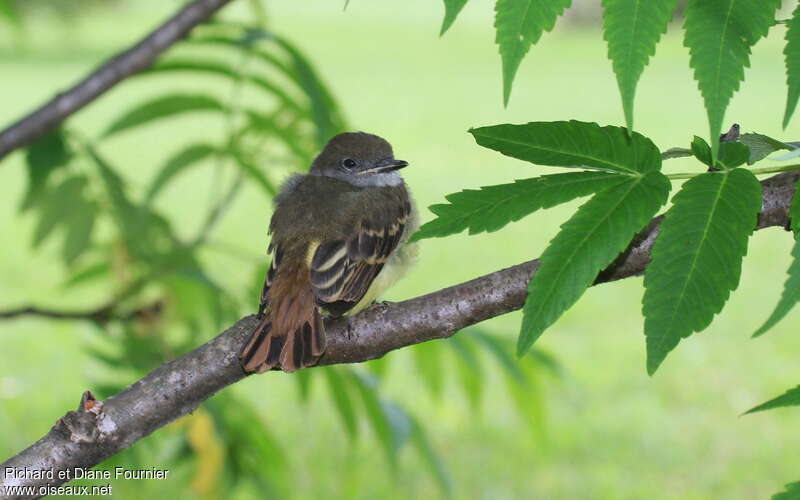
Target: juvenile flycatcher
338, 241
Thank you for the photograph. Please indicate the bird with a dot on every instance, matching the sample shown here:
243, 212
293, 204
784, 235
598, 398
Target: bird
339, 239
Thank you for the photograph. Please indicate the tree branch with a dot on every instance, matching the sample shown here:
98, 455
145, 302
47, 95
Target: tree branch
98, 430
100, 315
116, 69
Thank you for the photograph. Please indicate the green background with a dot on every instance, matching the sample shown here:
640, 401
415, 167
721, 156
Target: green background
611, 431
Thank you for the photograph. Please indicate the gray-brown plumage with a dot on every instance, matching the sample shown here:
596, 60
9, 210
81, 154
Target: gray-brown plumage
333, 231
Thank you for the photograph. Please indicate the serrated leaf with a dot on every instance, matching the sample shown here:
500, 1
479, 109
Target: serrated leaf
697, 258
588, 242
79, 230
430, 366
792, 492
163, 107
58, 207
572, 144
520, 24
788, 398
792, 53
733, 154
632, 29
676, 153
44, 156
420, 440
761, 146
451, 10
489, 208
340, 394
176, 164
719, 35
791, 289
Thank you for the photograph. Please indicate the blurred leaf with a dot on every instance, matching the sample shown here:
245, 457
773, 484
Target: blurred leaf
221, 69
761, 146
57, 208
9, 11
255, 173
423, 445
324, 111
177, 164
45, 155
520, 24
303, 379
163, 107
676, 153
588, 242
451, 10
504, 357
430, 366
697, 257
792, 492
791, 291
792, 53
787, 156
573, 144
340, 393
469, 370
788, 398
378, 367
632, 29
378, 419
87, 274
79, 229
719, 35
263, 123
490, 208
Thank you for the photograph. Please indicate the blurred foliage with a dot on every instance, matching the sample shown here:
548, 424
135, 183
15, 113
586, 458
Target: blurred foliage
164, 302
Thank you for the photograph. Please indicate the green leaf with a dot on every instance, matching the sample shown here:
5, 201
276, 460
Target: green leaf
676, 153
792, 53
254, 172
791, 290
732, 154
588, 242
719, 35
761, 146
632, 29
430, 366
701, 150
520, 24
419, 439
341, 398
697, 258
492, 207
58, 207
376, 416
572, 144
47, 154
469, 370
79, 230
792, 492
451, 10
788, 398
87, 274
177, 164
163, 107
9, 11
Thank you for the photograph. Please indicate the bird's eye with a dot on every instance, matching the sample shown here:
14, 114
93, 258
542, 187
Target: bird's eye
348, 163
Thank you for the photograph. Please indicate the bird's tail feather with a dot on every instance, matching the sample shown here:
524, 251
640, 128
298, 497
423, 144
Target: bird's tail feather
268, 349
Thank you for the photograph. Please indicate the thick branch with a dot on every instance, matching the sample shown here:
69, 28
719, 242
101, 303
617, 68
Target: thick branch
116, 69
97, 430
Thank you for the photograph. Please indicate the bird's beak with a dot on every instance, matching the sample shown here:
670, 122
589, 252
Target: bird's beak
387, 166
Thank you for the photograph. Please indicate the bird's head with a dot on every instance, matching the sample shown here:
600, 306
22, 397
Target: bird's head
359, 158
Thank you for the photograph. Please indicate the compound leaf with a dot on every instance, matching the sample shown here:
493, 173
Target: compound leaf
176, 164
163, 107
588, 242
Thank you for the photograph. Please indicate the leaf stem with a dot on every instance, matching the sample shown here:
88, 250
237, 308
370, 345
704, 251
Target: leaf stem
756, 171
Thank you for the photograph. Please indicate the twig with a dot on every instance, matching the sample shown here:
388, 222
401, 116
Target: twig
85, 437
102, 314
116, 69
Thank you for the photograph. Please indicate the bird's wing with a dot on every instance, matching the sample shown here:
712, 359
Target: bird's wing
341, 271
